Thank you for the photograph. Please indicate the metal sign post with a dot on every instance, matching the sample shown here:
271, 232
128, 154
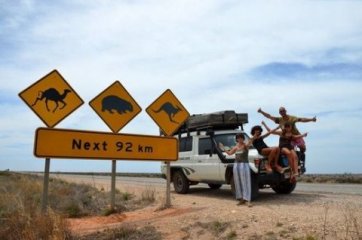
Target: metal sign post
168, 184
44, 202
113, 184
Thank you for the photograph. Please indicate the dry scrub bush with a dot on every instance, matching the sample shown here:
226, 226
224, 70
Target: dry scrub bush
20, 202
126, 232
20, 216
350, 229
332, 178
353, 224
148, 195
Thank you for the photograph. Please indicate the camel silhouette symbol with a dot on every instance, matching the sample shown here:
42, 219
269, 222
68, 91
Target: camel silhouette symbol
53, 95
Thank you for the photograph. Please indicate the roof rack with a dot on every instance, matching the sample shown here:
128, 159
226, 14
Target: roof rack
222, 120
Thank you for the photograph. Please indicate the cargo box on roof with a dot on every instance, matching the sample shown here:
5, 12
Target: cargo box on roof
216, 120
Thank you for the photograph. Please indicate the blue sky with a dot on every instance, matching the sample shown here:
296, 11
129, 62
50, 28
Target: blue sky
213, 55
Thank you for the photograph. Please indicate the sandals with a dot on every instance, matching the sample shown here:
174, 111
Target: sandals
243, 201
293, 179
279, 169
268, 169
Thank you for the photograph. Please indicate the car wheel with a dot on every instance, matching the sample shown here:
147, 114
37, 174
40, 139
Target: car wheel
254, 185
214, 186
180, 182
285, 187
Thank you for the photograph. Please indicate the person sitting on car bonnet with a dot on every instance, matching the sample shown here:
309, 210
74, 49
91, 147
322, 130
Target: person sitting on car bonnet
271, 152
284, 118
286, 147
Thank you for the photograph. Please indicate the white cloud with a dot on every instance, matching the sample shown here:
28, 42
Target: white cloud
202, 51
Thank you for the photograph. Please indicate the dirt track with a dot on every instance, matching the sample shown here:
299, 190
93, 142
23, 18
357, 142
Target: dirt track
213, 214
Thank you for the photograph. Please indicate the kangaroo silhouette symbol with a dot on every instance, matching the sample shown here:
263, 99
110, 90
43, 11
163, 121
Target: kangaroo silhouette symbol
170, 110
53, 95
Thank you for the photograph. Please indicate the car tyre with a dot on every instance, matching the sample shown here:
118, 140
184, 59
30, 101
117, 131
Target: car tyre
285, 187
180, 182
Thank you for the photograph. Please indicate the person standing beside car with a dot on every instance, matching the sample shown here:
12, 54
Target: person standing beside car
241, 170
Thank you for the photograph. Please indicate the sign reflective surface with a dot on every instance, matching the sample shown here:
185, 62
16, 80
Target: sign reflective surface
115, 106
51, 98
168, 112
65, 143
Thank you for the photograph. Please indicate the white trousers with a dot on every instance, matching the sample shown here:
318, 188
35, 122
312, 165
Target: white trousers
242, 181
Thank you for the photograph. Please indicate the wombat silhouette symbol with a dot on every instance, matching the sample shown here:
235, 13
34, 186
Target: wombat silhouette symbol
170, 110
53, 95
116, 103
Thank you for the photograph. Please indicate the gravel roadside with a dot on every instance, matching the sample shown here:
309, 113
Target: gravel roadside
213, 214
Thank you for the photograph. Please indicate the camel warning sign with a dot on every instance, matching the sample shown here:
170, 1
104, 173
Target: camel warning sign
168, 112
115, 106
51, 98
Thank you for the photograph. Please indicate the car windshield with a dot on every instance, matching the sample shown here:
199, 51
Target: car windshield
228, 140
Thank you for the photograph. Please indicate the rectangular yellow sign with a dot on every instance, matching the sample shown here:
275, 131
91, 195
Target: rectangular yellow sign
65, 143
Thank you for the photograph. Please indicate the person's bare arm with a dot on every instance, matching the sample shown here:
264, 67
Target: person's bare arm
250, 141
228, 152
231, 151
268, 128
267, 115
300, 136
313, 119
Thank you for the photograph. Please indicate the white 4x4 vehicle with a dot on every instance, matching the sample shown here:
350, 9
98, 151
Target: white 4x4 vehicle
201, 160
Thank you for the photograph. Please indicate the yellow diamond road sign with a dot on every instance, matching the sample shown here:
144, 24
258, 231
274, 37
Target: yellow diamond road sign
115, 106
51, 98
168, 112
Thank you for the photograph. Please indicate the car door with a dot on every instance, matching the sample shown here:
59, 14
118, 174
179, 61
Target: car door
206, 165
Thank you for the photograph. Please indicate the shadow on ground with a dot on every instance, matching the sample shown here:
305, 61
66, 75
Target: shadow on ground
265, 195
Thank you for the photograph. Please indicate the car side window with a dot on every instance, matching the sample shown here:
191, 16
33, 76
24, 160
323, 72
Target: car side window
204, 146
185, 144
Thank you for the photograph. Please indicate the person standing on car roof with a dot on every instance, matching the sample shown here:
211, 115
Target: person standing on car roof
292, 120
241, 170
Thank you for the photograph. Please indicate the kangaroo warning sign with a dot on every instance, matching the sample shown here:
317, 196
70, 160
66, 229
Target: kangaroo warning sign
51, 98
65, 143
115, 106
168, 112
